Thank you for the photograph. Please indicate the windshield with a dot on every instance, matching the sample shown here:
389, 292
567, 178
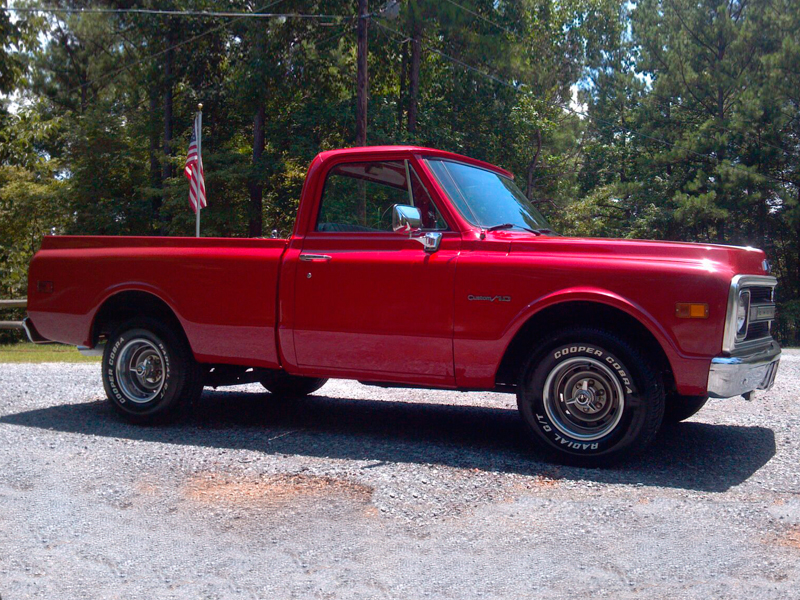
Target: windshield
486, 198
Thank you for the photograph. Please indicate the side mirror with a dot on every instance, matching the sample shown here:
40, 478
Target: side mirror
408, 219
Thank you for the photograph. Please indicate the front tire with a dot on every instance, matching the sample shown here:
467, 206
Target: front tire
680, 408
589, 397
149, 372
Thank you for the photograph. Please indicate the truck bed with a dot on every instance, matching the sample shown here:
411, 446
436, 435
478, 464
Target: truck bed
232, 285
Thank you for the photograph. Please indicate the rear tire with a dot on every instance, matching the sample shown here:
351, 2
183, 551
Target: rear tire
149, 372
680, 408
292, 386
589, 397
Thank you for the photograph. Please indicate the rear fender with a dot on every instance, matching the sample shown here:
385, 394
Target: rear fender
109, 294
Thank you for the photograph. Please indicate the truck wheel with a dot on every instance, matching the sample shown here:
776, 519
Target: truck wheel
292, 386
149, 372
589, 397
680, 408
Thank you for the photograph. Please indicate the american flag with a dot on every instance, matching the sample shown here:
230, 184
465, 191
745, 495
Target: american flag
194, 170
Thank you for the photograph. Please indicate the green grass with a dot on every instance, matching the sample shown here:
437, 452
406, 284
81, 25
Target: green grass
25, 352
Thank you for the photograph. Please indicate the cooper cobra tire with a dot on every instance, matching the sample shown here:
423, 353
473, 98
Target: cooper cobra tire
149, 372
292, 386
589, 397
680, 408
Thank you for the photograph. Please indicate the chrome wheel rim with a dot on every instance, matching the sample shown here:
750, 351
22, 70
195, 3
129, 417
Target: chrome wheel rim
583, 398
140, 370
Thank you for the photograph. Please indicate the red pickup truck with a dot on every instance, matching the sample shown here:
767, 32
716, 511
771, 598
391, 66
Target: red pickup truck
410, 266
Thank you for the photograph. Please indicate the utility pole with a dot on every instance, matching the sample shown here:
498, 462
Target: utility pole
413, 83
362, 78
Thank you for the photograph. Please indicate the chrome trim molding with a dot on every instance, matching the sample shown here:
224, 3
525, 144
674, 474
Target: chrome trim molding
33, 336
731, 376
737, 283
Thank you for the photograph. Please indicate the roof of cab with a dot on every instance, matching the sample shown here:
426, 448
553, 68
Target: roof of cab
419, 150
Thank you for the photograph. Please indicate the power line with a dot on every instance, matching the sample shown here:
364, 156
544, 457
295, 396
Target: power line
132, 64
519, 89
176, 13
178, 93
483, 18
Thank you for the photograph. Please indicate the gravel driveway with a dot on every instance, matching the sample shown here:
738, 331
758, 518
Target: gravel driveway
360, 492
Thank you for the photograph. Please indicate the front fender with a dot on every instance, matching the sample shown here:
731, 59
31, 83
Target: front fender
598, 296
478, 359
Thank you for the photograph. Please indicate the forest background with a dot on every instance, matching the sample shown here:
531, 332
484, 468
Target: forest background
664, 119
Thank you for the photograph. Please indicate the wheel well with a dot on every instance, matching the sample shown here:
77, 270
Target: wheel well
559, 316
128, 305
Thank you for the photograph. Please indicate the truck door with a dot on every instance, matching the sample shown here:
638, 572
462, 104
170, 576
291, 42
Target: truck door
371, 303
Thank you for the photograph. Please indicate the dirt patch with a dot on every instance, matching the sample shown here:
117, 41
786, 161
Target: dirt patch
146, 487
791, 538
539, 481
278, 489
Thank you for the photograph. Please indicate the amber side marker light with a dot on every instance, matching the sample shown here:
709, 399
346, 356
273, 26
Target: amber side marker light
691, 310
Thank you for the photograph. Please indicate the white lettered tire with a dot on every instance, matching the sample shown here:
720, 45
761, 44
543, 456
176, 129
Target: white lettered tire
590, 397
149, 372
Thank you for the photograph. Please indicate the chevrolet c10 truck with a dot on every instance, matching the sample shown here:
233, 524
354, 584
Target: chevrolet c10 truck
410, 266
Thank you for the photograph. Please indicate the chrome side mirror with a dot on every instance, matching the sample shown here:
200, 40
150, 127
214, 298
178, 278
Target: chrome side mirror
408, 219
430, 240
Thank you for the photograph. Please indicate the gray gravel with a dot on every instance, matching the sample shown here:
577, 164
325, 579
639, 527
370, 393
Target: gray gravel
359, 492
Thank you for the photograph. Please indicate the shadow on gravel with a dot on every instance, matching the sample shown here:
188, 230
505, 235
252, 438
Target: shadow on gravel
696, 456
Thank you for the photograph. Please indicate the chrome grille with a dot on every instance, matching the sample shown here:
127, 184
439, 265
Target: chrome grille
756, 331
759, 329
760, 295
760, 312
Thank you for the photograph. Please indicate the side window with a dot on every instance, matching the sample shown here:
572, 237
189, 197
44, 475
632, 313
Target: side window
431, 217
360, 196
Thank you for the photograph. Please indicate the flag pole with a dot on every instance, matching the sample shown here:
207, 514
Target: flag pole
199, 119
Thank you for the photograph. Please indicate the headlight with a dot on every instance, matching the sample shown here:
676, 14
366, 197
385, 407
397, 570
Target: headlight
743, 308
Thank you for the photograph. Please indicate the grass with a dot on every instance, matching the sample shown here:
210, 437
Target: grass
25, 352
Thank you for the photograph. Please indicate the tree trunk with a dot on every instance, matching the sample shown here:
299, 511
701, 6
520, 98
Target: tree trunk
401, 96
413, 80
255, 228
362, 90
155, 163
166, 171
797, 245
532, 165
362, 77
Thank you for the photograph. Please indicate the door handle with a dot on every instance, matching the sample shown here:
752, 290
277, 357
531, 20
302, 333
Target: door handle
315, 257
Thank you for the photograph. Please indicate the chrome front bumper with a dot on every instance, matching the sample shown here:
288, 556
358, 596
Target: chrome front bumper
740, 375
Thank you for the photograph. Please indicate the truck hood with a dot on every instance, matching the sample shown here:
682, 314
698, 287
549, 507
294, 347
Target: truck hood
714, 257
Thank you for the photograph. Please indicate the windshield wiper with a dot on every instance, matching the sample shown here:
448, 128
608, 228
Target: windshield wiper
512, 225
